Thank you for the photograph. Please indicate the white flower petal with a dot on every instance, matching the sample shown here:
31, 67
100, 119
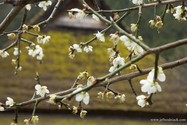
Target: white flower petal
161, 77
86, 98
37, 87
79, 97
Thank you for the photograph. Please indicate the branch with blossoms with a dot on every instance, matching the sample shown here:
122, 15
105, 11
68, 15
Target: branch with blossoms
132, 42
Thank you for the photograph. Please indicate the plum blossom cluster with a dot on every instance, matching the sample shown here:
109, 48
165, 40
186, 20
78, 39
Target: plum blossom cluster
137, 2
42, 5
35, 50
156, 23
32, 121
78, 48
109, 95
150, 85
9, 103
43, 39
77, 13
180, 13
132, 46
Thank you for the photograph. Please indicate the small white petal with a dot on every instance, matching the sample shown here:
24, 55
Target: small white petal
37, 87
79, 97
86, 99
161, 77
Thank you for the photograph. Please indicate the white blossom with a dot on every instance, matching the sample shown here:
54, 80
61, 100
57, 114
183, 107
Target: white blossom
114, 39
90, 80
46, 39
88, 48
28, 7
111, 52
112, 69
82, 96
10, 102
138, 50
160, 74
77, 47
100, 36
142, 100
128, 42
4, 54
119, 61
95, 17
44, 4
179, 13
16, 51
79, 14
40, 55
150, 86
137, 2
41, 90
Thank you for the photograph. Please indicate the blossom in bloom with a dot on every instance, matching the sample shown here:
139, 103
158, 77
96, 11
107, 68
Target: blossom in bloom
128, 42
46, 39
111, 52
142, 100
18, 68
133, 27
41, 90
37, 51
83, 75
160, 74
10, 102
79, 14
71, 55
179, 13
150, 86
120, 98
138, 50
40, 55
114, 39
77, 47
137, 2
35, 120
152, 23
4, 54
95, 17
119, 61
88, 48
28, 7
36, 28
52, 99
44, 4
40, 39
82, 96
16, 51
83, 113
112, 69
75, 110
90, 80
100, 36
11, 36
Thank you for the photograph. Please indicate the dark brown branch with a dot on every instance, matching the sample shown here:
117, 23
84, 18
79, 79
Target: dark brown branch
12, 14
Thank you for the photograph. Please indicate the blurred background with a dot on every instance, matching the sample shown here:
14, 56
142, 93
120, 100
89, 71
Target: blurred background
58, 71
